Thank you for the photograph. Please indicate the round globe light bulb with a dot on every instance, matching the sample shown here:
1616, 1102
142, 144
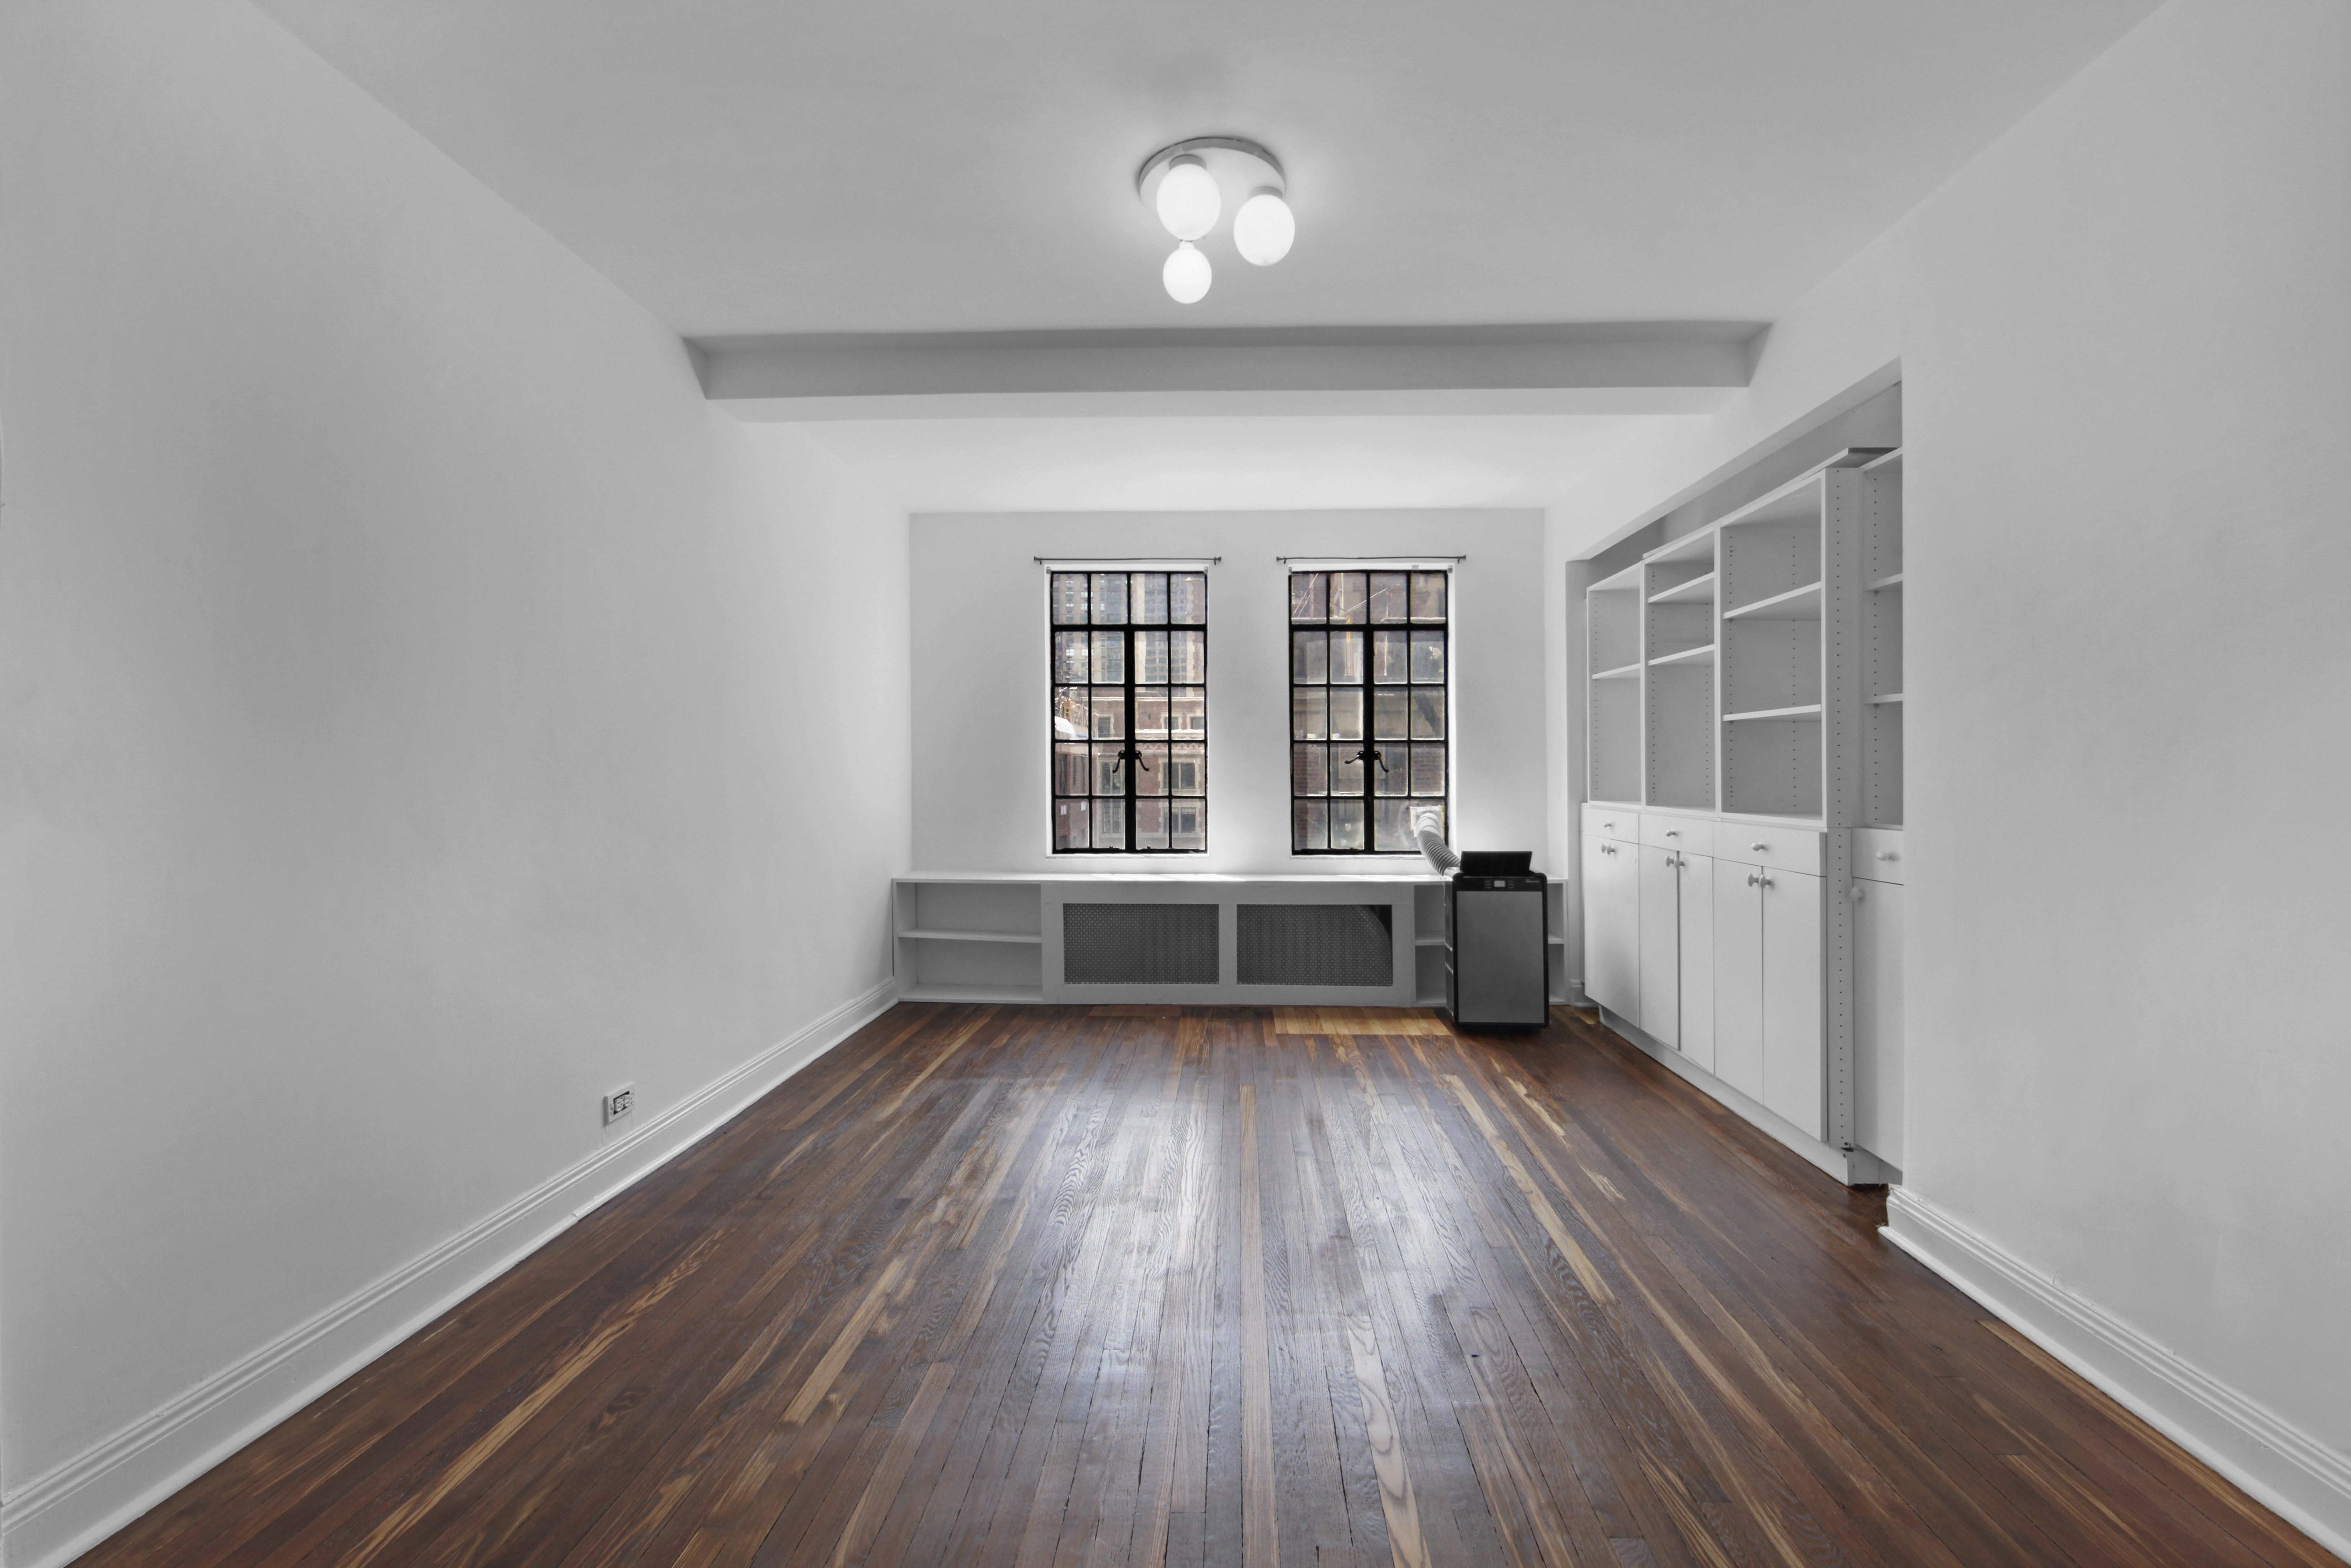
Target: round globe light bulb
1264, 228
1187, 199
1186, 275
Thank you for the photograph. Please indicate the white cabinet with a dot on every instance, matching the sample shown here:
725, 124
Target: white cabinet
1661, 979
1792, 1057
1611, 926
1767, 989
1696, 927
1677, 949
1877, 1018
1738, 977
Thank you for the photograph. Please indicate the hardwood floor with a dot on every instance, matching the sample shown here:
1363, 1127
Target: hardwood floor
1051, 1286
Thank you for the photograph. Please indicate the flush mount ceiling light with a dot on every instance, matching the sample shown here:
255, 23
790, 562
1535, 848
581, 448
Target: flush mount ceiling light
1184, 185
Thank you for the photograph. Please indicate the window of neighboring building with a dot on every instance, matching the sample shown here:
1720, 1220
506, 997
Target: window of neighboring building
1130, 665
1369, 732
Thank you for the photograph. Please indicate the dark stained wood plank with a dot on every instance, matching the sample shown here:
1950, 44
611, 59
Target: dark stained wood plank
1076, 1288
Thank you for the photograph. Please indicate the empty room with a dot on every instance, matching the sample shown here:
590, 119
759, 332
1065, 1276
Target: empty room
1065, 785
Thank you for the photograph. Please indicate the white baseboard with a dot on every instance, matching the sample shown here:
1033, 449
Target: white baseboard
66, 1511
2303, 1479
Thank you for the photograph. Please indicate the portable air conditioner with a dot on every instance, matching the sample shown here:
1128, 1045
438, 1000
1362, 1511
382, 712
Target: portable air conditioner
1497, 952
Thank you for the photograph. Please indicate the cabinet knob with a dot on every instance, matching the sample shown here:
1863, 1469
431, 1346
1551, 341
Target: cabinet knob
1887, 855
1759, 848
1858, 893
1671, 834
1754, 880
1764, 881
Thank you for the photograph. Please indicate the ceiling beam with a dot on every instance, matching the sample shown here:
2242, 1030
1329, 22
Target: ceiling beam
1650, 367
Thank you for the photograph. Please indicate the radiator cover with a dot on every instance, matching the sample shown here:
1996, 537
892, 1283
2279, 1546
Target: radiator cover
1139, 944
1315, 944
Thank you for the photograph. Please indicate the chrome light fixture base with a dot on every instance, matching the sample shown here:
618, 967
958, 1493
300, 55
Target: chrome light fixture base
1240, 165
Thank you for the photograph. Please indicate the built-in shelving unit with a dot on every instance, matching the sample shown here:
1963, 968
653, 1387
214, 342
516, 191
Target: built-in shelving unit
1749, 702
1613, 649
1879, 544
1008, 938
979, 941
1679, 644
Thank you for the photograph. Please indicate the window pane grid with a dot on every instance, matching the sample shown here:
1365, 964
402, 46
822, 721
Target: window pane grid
1370, 745
1129, 667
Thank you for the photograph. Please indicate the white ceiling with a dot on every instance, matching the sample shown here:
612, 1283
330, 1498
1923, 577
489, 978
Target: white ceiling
1244, 463
757, 166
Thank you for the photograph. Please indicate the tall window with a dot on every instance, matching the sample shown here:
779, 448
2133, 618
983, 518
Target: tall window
1367, 719
1130, 712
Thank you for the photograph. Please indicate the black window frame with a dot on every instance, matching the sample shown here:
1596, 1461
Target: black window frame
1134, 753
1376, 756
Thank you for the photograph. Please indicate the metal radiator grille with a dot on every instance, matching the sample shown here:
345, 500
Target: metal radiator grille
1139, 944
1316, 945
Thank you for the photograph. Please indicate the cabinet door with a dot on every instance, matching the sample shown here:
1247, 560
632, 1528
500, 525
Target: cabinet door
1738, 977
1877, 1018
1661, 942
1792, 1082
1612, 927
1697, 922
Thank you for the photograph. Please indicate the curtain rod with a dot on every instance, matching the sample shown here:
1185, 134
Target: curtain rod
1168, 561
1342, 563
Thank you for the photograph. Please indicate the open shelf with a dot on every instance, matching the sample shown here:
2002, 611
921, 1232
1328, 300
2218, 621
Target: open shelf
1621, 672
964, 941
1696, 591
1795, 604
1885, 583
1685, 659
1887, 697
1772, 763
954, 993
921, 936
1613, 740
1802, 710
1698, 544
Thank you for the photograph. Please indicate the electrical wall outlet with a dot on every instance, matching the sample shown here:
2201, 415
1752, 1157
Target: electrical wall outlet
619, 1103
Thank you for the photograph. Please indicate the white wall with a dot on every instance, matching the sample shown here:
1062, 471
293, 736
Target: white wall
419, 711
2125, 364
982, 798
2121, 333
